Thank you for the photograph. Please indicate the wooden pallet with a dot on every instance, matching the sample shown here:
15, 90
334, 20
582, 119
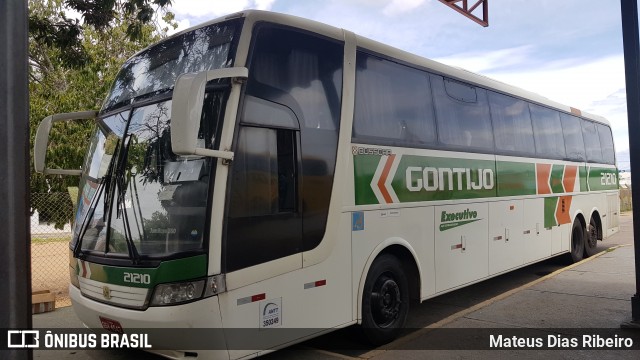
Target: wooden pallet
42, 301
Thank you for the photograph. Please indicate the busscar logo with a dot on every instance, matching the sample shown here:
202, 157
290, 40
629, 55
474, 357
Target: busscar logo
20, 339
357, 150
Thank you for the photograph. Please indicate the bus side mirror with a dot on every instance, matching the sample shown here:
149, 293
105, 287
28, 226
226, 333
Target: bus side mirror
186, 109
42, 141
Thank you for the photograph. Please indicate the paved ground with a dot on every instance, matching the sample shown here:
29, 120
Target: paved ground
594, 294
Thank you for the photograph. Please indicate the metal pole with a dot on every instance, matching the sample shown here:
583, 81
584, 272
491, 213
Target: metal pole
15, 262
631, 41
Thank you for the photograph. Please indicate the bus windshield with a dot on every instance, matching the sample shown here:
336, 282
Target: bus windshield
138, 199
155, 69
149, 202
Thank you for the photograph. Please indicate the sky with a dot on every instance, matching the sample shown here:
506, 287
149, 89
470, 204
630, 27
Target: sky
569, 51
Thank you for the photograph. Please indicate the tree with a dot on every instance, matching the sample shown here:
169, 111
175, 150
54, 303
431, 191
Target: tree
67, 34
58, 85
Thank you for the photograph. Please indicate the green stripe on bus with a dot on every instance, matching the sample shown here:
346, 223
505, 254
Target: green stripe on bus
425, 178
167, 272
364, 166
557, 172
516, 178
583, 178
550, 204
602, 179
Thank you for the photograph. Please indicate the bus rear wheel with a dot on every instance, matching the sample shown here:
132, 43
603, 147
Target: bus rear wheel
577, 241
385, 300
591, 238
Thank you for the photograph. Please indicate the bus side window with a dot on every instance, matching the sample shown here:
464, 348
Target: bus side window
511, 125
301, 73
393, 103
461, 107
606, 142
572, 132
264, 208
264, 175
547, 131
591, 141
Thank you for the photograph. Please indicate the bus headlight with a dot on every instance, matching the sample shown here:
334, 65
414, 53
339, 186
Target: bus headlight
176, 293
171, 294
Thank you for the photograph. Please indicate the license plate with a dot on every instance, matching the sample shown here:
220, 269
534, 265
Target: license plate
111, 325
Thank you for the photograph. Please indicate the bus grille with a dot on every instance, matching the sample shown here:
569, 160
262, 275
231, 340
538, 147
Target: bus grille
125, 296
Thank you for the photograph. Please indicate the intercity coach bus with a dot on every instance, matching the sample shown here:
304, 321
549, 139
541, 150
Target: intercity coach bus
263, 172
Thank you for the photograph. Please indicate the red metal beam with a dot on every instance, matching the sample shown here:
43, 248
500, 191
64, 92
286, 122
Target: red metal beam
469, 11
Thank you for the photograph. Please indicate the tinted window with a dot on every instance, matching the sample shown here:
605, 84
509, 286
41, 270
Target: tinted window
606, 144
255, 177
263, 219
393, 102
263, 112
156, 68
572, 132
547, 131
591, 141
301, 72
463, 119
264, 176
511, 124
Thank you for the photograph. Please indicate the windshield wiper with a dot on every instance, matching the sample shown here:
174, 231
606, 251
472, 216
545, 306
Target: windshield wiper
77, 252
120, 201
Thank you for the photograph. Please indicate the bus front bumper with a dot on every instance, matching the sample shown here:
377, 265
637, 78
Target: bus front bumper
172, 320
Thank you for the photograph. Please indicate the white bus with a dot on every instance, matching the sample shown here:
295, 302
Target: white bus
262, 172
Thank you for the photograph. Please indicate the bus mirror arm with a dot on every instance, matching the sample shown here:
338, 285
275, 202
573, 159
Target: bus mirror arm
42, 140
186, 109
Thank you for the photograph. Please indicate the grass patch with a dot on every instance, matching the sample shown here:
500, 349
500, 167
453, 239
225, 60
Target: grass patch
37, 240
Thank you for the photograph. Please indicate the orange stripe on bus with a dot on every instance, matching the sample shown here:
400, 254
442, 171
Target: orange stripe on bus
569, 178
562, 212
542, 178
383, 179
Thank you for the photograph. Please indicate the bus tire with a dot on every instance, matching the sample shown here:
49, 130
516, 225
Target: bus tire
385, 300
577, 241
591, 238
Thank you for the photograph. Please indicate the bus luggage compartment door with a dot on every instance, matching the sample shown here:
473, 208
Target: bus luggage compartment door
506, 245
461, 246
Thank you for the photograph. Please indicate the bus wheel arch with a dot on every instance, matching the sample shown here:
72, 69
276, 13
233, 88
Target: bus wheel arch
389, 284
593, 234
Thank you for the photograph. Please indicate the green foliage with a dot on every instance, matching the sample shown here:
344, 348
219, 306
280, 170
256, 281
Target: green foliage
56, 30
57, 84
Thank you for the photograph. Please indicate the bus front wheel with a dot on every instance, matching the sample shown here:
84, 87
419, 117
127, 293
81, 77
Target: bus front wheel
577, 241
385, 300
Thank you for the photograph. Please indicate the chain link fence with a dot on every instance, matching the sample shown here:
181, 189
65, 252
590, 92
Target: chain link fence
625, 198
51, 216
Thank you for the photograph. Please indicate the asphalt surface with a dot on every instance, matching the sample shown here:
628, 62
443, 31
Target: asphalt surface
549, 301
